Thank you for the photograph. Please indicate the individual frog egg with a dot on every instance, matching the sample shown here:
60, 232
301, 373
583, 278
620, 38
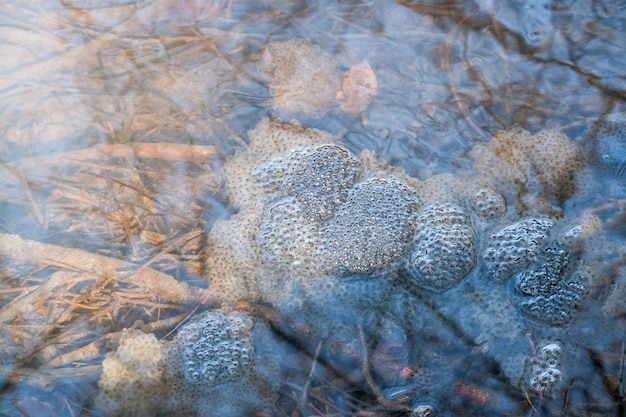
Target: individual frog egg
424, 408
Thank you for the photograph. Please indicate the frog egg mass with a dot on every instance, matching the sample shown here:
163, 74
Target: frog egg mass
216, 348
211, 360
371, 230
444, 248
513, 247
334, 239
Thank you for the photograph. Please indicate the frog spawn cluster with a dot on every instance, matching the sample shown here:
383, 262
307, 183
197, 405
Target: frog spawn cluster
314, 218
302, 77
216, 348
336, 171
326, 220
444, 248
371, 230
323, 211
488, 203
543, 266
328, 214
553, 287
542, 371
331, 224
513, 248
286, 238
212, 358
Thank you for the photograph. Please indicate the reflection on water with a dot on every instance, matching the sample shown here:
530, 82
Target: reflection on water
450, 242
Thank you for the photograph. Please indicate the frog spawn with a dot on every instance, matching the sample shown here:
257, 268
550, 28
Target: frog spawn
329, 242
314, 209
371, 230
542, 373
369, 233
545, 270
287, 239
215, 357
514, 247
302, 77
553, 287
488, 203
319, 177
534, 169
365, 227
444, 248
216, 348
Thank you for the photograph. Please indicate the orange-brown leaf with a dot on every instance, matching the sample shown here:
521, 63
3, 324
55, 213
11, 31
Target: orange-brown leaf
359, 86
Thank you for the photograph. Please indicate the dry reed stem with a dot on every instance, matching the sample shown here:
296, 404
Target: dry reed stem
49, 379
165, 151
303, 400
110, 341
28, 299
101, 268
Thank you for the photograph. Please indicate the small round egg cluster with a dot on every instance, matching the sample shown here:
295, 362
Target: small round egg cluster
131, 380
217, 348
545, 271
319, 177
215, 357
530, 167
488, 203
543, 374
302, 77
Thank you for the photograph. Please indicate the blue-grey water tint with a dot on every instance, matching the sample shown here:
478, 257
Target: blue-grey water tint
449, 76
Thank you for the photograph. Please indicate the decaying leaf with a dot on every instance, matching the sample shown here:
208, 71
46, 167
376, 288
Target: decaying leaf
359, 86
302, 77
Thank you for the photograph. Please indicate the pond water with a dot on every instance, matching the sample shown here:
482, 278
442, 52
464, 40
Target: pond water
450, 241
